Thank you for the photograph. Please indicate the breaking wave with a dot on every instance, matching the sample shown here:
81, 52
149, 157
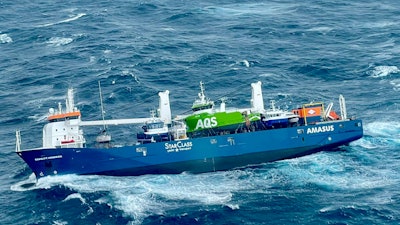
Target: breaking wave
4, 38
383, 71
59, 41
140, 197
65, 21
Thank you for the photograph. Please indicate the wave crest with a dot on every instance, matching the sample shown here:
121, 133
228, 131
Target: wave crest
383, 71
4, 38
72, 18
59, 41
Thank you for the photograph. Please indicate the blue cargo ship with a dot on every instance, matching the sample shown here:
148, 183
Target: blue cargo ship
165, 146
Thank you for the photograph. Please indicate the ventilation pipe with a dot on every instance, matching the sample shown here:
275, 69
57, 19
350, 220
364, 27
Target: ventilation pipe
257, 102
165, 109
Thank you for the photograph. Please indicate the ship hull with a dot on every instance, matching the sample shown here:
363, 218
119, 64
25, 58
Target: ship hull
197, 155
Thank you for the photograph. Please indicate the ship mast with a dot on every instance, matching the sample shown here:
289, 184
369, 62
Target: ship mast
103, 137
202, 104
101, 106
17, 141
201, 94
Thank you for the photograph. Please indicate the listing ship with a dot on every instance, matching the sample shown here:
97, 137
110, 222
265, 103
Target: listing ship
209, 139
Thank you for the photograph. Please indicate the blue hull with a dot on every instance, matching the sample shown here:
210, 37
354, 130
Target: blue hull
195, 155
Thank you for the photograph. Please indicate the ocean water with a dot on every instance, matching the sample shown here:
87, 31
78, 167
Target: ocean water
301, 50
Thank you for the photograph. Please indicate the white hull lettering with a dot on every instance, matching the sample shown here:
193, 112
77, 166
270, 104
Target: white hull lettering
49, 157
206, 123
178, 146
320, 129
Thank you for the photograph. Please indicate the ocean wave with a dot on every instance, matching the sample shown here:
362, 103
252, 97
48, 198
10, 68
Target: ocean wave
59, 41
38, 103
336, 171
348, 209
323, 30
383, 129
383, 71
380, 135
127, 72
25, 185
75, 17
396, 84
38, 117
259, 9
140, 197
4, 38
75, 196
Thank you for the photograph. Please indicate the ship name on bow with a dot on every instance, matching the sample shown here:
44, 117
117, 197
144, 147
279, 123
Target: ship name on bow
48, 157
320, 129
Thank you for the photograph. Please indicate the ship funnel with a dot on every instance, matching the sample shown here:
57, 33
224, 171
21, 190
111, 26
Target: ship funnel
257, 102
165, 109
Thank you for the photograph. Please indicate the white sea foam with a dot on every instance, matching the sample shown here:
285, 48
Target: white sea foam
59, 41
83, 202
396, 84
92, 59
75, 196
238, 64
4, 38
140, 197
331, 171
246, 63
367, 144
267, 75
38, 117
383, 129
327, 209
168, 29
383, 134
322, 30
75, 17
379, 24
235, 10
38, 103
379, 135
156, 195
60, 222
25, 185
383, 71
129, 73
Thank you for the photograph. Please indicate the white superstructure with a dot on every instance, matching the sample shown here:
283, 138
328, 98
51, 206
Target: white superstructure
64, 127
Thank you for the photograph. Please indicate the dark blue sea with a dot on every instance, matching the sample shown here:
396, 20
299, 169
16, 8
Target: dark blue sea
301, 51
